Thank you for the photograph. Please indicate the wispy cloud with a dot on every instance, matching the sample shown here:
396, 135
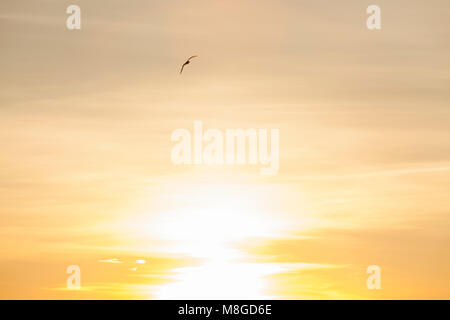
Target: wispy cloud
377, 173
113, 260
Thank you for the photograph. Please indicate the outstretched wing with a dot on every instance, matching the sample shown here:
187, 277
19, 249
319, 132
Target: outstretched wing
192, 57
182, 67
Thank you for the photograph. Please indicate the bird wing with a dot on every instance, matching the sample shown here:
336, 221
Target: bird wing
182, 67
192, 57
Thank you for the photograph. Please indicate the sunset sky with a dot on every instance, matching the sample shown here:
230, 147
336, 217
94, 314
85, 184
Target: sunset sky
86, 177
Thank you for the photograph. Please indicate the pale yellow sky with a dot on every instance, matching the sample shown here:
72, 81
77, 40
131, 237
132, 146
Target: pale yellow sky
86, 175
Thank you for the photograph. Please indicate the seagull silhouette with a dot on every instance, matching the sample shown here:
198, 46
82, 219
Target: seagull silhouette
187, 62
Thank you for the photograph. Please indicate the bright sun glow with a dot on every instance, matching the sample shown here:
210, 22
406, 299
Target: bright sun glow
218, 279
218, 217
205, 227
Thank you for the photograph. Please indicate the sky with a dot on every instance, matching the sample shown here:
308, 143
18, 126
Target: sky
86, 177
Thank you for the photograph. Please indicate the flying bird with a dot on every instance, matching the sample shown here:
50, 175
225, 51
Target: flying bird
187, 62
